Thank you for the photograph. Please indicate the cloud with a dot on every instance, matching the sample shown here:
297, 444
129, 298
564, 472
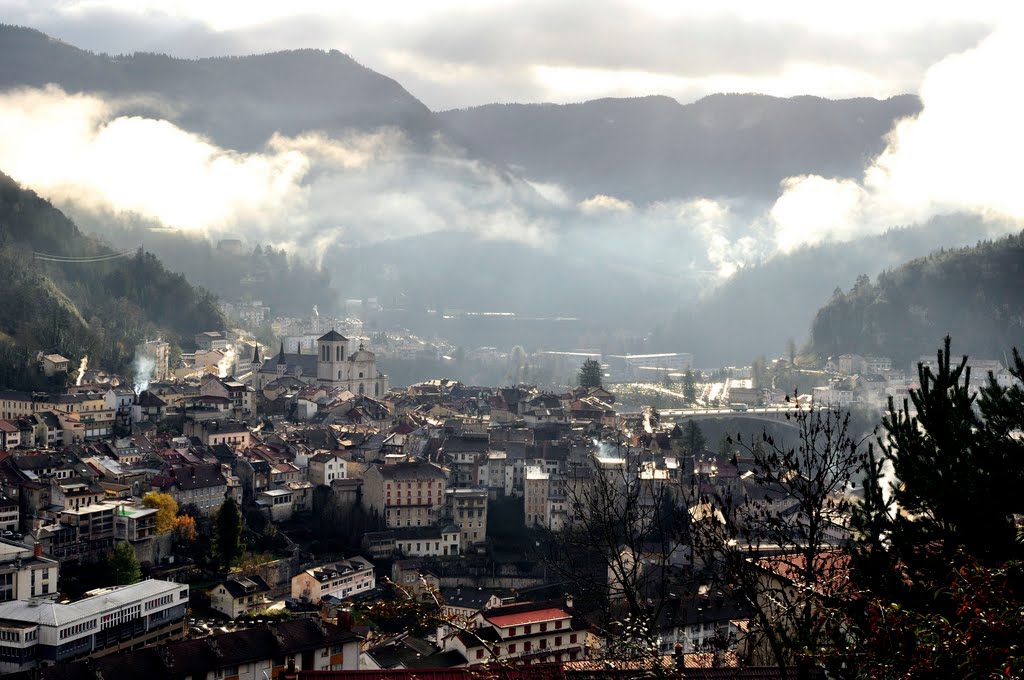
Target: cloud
306, 192
962, 152
598, 204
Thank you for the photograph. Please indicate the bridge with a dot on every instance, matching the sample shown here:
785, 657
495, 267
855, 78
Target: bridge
773, 414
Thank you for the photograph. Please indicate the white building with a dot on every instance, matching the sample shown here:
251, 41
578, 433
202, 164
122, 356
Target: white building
113, 619
26, 573
341, 580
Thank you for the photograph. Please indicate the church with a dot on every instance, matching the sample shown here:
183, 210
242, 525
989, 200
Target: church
334, 365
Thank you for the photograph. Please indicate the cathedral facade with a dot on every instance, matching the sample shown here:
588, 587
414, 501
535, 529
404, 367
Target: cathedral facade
334, 365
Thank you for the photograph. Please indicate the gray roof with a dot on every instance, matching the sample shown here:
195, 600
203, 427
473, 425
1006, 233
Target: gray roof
53, 614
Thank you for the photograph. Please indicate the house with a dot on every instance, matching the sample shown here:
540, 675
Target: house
341, 580
277, 503
214, 432
238, 596
54, 364
26, 573
241, 398
532, 632
10, 434
325, 467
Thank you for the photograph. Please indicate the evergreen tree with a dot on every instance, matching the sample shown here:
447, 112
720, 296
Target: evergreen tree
124, 565
591, 374
689, 387
227, 533
693, 439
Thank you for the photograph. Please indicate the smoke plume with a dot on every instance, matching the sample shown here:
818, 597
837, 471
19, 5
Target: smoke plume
143, 372
81, 370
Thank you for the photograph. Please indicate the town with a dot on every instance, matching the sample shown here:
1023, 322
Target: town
286, 504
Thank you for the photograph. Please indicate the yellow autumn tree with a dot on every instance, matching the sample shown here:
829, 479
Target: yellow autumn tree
166, 509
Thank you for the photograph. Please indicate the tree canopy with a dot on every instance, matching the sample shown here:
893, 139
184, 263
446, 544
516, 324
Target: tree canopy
124, 565
227, 533
591, 374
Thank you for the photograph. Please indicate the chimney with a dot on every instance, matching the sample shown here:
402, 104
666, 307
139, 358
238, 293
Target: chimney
38, 550
568, 601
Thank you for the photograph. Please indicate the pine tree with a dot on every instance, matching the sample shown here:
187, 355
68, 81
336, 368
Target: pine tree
124, 565
689, 387
591, 374
227, 533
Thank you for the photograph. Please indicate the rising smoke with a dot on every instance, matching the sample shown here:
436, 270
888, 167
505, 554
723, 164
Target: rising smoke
81, 370
143, 372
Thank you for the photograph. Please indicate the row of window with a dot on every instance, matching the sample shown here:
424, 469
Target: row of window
159, 602
528, 645
543, 627
77, 628
15, 636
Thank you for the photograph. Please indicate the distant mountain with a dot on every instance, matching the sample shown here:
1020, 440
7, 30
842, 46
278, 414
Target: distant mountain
972, 294
644, 149
98, 305
237, 101
762, 307
654, 148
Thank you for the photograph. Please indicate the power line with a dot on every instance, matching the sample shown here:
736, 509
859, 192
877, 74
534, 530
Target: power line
86, 259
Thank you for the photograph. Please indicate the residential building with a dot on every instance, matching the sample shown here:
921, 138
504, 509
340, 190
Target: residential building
341, 580
10, 434
433, 541
405, 494
277, 503
467, 508
201, 485
325, 467
54, 364
10, 515
532, 632
26, 573
241, 595
241, 398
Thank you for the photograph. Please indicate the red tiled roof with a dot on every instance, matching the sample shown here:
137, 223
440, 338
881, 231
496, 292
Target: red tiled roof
522, 618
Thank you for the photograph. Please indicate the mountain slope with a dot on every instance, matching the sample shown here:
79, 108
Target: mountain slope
99, 308
237, 101
654, 148
972, 294
761, 307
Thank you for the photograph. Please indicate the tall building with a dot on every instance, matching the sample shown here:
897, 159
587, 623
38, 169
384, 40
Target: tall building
159, 353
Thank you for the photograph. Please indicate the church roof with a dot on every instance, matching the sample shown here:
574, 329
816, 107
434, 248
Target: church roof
333, 336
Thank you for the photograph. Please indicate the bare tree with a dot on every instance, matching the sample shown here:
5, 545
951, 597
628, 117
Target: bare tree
780, 546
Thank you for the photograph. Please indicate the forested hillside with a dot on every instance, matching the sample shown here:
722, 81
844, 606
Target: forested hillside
90, 306
972, 294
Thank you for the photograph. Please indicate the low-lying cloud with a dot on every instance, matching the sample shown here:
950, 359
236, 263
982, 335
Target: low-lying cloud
305, 192
961, 153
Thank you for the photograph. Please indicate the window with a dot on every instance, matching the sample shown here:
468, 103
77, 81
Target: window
558, 641
572, 639
543, 626
543, 643
558, 624
527, 629
512, 649
479, 653
527, 646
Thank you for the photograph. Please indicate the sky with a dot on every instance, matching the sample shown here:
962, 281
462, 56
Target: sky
458, 54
